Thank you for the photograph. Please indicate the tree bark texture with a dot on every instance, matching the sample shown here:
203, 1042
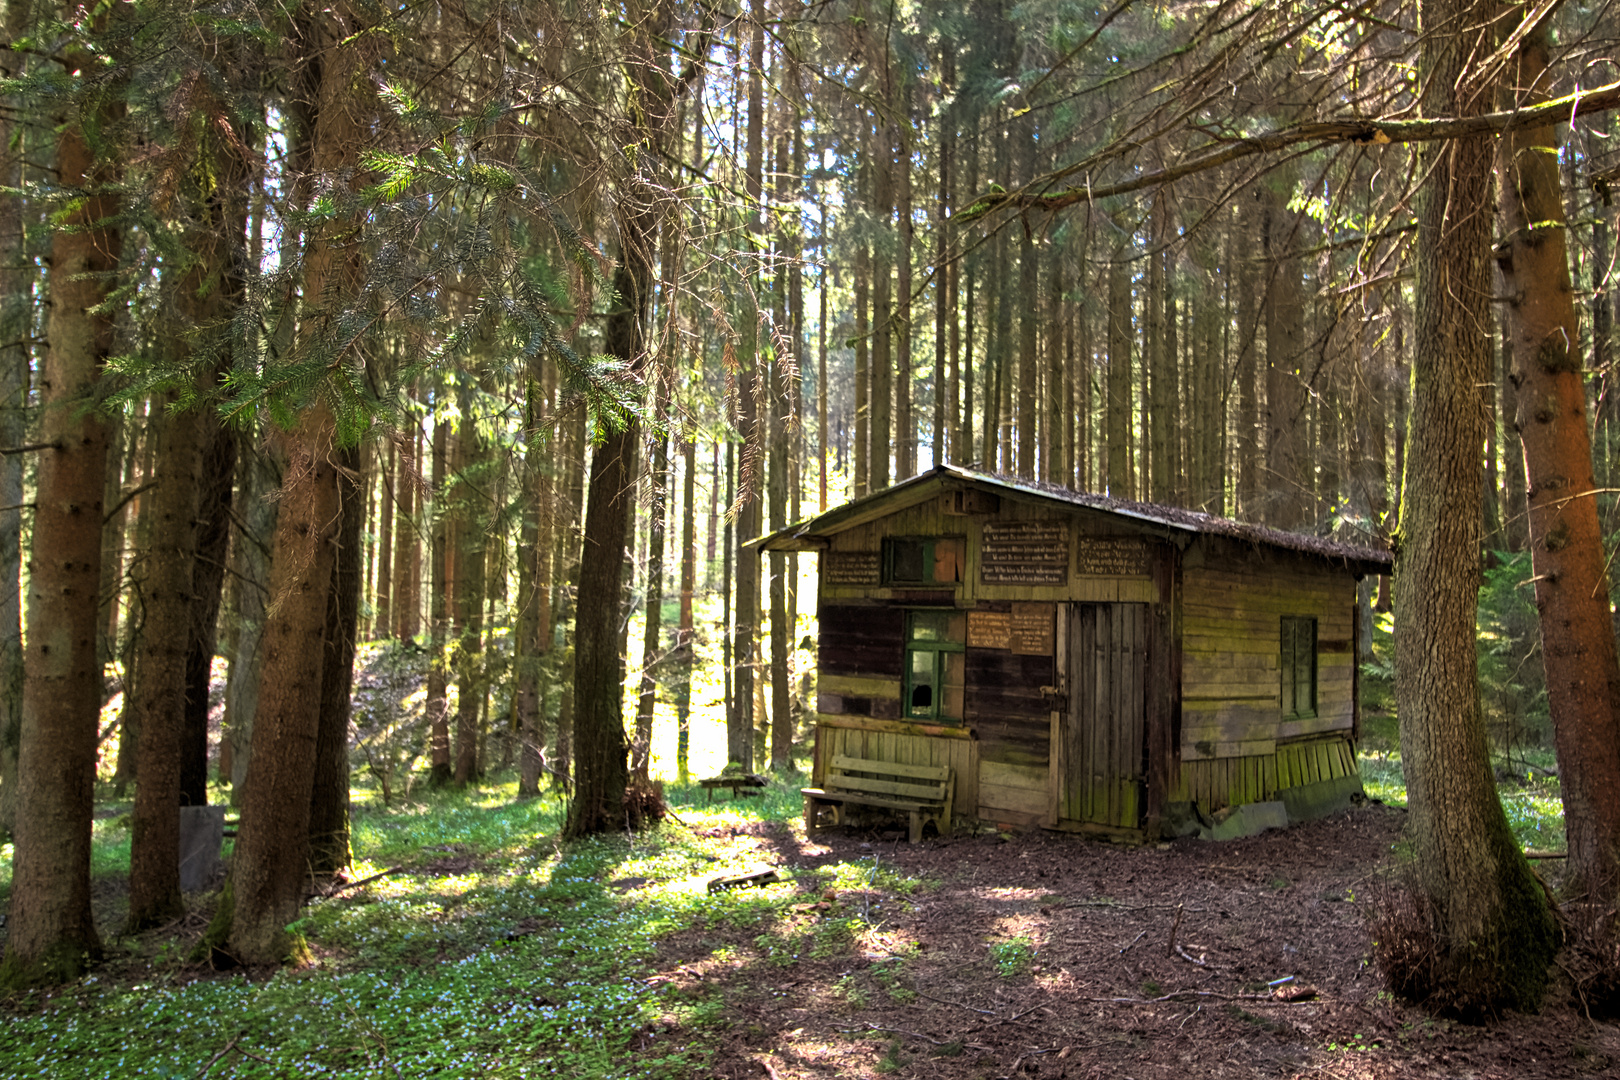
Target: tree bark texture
601, 767
272, 850
438, 704
471, 581
329, 800
1488, 912
1290, 504
1566, 542
159, 691
51, 930
16, 316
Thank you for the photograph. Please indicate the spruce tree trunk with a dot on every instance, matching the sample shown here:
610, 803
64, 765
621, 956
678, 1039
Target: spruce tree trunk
1117, 406
881, 456
271, 862
51, 931
1242, 271
863, 375
1156, 467
382, 625
329, 801
534, 585
259, 477
569, 548
16, 316
601, 768
437, 705
1054, 464
905, 421
406, 598
1489, 915
158, 698
471, 561
1291, 504
684, 644
214, 502
652, 628
1029, 308
1566, 542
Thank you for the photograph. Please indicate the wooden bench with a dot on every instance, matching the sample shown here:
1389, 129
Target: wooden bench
739, 784
924, 792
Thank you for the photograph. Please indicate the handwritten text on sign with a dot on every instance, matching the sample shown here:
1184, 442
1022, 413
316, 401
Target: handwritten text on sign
851, 568
1024, 553
1025, 630
1112, 556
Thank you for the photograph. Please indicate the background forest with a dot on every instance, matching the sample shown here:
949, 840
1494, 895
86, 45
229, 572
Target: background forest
473, 341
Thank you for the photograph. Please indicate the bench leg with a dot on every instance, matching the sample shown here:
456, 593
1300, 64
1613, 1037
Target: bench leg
916, 826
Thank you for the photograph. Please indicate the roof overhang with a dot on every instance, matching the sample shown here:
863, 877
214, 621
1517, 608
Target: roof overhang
1171, 523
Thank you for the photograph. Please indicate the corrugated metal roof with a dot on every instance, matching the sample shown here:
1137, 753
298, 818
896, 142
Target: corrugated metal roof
803, 534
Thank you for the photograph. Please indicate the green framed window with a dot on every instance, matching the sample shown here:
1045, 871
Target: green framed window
1298, 666
923, 561
935, 665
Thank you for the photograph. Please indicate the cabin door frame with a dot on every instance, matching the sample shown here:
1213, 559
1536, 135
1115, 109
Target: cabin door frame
1100, 731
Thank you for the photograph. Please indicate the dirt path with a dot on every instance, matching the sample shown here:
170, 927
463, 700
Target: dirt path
1044, 955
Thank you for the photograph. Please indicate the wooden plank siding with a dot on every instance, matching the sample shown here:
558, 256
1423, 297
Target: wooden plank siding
1232, 615
1004, 705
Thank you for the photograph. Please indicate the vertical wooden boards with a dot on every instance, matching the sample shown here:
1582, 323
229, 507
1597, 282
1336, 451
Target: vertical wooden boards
1102, 738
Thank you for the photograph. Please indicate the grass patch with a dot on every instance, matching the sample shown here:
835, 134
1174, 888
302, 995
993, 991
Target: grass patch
1528, 791
497, 953
1013, 957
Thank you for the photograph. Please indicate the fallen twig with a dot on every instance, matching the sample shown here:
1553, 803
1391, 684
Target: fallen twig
925, 1038
225, 1050
1187, 956
1134, 940
1174, 928
958, 1004
1178, 995
1116, 905
1189, 1016
329, 893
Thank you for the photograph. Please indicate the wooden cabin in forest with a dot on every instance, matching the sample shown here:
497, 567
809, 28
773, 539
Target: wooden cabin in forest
1081, 662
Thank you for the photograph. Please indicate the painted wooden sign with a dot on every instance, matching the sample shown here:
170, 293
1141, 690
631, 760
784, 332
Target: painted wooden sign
1033, 629
852, 568
1024, 553
1113, 556
989, 630
1026, 630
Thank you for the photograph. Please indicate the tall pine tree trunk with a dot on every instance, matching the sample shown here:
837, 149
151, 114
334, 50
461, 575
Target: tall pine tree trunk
1494, 934
1566, 542
437, 520
51, 932
329, 798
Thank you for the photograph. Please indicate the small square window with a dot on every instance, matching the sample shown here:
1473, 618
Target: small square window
1297, 665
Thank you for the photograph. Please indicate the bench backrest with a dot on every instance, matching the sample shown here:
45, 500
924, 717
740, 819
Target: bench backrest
927, 783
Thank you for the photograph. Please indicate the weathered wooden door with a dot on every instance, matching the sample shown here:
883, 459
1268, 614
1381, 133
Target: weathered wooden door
1101, 759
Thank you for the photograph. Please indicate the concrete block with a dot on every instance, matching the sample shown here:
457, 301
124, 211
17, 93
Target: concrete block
1249, 819
202, 831
1311, 801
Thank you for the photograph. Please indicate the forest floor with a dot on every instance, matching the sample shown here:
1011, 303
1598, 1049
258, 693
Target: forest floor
1045, 955
487, 949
